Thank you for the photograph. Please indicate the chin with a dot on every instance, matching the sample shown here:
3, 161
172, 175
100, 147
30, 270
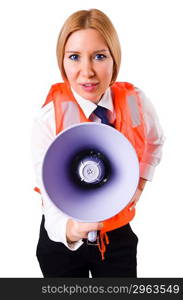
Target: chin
94, 99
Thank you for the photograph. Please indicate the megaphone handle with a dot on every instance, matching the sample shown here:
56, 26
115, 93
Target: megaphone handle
92, 236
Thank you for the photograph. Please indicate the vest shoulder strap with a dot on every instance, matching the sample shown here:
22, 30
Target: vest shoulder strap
59, 91
128, 87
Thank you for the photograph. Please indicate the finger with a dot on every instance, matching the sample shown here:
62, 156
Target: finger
132, 206
90, 227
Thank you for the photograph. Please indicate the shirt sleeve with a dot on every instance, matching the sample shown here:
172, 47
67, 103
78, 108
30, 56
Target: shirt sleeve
43, 134
154, 139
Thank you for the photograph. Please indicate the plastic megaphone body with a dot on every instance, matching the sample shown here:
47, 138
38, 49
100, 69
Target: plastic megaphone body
90, 172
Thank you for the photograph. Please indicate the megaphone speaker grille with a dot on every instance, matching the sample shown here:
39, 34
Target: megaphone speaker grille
89, 169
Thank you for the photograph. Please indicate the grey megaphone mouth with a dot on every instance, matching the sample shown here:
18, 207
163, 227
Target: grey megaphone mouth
90, 168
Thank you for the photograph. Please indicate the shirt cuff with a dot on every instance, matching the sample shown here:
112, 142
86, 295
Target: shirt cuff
57, 231
74, 246
146, 171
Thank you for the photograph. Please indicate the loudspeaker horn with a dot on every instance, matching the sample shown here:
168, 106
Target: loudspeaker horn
90, 172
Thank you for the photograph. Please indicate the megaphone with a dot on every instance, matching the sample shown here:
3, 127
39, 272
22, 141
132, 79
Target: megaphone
90, 172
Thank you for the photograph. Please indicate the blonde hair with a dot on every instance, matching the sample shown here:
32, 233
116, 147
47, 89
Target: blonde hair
84, 19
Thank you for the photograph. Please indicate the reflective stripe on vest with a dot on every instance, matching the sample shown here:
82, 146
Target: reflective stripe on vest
133, 106
71, 113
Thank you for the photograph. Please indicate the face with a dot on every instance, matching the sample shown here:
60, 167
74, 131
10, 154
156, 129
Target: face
88, 64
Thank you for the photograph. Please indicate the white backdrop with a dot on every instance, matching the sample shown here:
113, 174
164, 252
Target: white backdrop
150, 32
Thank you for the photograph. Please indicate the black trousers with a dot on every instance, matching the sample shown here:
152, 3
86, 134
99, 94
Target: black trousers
56, 260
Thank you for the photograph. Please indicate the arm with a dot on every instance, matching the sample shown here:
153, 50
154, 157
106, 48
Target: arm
138, 192
43, 133
154, 143
154, 139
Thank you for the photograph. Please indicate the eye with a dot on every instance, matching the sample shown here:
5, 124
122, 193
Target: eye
100, 56
74, 57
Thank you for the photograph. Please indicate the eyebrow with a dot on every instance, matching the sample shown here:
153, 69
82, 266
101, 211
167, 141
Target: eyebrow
97, 51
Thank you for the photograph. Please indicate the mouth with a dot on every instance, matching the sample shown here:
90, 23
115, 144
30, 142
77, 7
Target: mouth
89, 86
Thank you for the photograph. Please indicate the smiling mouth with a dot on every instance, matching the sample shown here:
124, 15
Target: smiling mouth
89, 84
89, 87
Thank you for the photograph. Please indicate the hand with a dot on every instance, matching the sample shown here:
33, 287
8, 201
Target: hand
138, 193
78, 230
135, 198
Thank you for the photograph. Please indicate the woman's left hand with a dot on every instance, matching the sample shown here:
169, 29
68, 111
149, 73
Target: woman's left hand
138, 193
135, 198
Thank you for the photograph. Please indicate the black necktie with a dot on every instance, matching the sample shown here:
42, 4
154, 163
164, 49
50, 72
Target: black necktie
101, 112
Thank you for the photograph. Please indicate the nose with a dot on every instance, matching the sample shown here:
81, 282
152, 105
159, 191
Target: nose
87, 69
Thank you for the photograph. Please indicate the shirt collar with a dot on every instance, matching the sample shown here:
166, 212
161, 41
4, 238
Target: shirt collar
88, 107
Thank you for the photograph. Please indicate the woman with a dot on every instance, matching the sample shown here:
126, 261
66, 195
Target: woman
89, 55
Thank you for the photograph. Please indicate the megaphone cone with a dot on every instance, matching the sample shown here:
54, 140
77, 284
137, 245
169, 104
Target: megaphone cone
90, 172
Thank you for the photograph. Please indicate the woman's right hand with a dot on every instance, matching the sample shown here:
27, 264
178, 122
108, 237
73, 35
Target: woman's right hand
78, 230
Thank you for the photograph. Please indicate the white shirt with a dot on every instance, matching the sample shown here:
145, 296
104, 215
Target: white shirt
44, 132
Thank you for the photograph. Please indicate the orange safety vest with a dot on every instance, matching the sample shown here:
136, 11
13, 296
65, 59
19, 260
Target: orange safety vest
129, 121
